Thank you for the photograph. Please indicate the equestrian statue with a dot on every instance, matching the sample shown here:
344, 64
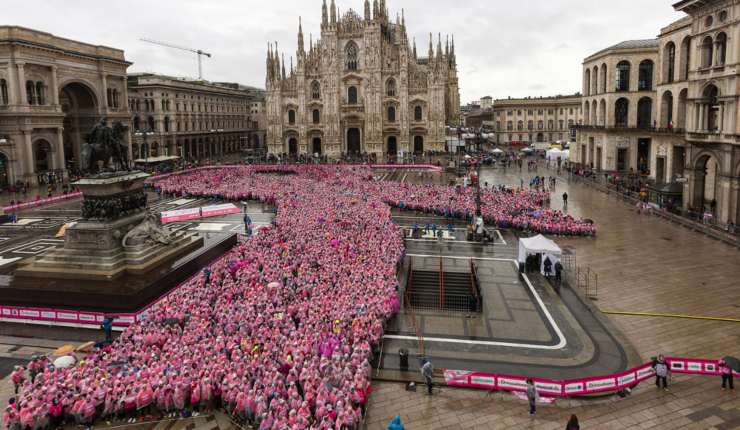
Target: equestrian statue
105, 144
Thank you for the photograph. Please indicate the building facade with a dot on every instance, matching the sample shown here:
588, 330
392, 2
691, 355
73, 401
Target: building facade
195, 120
361, 88
52, 92
534, 119
666, 109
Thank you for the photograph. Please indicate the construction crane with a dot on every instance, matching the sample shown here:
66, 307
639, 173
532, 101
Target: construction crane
196, 51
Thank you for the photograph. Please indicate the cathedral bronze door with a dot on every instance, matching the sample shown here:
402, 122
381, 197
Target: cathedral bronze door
293, 146
316, 145
418, 145
392, 145
353, 141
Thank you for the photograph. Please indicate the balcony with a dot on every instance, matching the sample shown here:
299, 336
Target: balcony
623, 128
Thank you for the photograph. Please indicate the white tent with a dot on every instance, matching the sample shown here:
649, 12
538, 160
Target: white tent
539, 245
553, 154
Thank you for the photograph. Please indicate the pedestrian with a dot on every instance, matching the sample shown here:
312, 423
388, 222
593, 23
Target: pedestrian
17, 377
558, 272
726, 371
573, 423
107, 326
247, 225
532, 396
427, 371
565, 200
661, 372
547, 266
396, 424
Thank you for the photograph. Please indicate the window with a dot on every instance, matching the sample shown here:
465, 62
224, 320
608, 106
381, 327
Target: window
707, 50
723, 16
509, 126
3, 92
519, 112
644, 112
530, 112
315, 90
352, 95
520, 125
390, 88
562, 124
645, 82
509, 113
540, 125
498, 125
40, 99
150, 122
291, 117
623, 76
621, 112
418, 113
550, 124
561, 111
166, 124
31, 92
391, 114
539, 112
137, 123
708, 21
721, 43
316, 116
670, 57
351, 53
530, 125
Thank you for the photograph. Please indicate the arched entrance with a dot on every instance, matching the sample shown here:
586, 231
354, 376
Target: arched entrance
293, 146
706, 174
354, 141
79, 105
42, 156
4, 172
418, 145
392, 145
316, 146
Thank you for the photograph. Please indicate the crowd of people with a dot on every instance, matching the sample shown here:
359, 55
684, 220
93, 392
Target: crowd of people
280, 331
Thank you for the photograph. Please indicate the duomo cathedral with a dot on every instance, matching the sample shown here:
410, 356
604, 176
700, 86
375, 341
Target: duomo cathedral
361, 88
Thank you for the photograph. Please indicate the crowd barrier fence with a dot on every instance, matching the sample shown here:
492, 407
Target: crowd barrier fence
41, 202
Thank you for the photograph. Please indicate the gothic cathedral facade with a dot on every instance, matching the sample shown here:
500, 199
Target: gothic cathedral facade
361, 89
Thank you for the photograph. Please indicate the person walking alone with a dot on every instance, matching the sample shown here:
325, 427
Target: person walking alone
427, 371
726, 371
565, 200
661, 372
532, 397
573, 423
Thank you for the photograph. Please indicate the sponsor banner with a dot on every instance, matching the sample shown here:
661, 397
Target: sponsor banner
216, 210
406, 166
512, 383
41, 202
180, 215
696, 366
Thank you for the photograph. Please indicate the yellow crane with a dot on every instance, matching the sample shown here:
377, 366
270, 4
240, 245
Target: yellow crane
196, 51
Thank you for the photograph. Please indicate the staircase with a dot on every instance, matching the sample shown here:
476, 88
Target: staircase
439, 291
423, 290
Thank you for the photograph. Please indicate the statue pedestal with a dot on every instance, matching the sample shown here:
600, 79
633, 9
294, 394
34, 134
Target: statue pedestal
113, 205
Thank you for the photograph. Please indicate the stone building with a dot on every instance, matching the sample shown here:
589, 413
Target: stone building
52, 91
195, 120
666, 109
534, 119
361, 88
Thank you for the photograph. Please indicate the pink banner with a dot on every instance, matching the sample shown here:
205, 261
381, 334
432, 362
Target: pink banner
41, 202
216, 210
578, 387
180, 215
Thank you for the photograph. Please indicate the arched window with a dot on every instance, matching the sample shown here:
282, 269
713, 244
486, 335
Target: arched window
390, 88
707, 50
137, 123
587, 113
315, 90
621, 112
351, 53
3, 92
509, 126
669, 67
291, 117
645, 81
40, 93
596, 80
166, 124
603, 78
712, 108
666, 110
685, 57
352, 95
645, 112
623, 76
391, 114
721, 43
418, 113
150, 122
316, 116
587, 83
31, 92
530, 125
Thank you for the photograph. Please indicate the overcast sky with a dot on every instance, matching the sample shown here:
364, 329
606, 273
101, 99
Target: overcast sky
504, 47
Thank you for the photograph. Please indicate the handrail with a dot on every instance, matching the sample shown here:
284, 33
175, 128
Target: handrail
410, 309
475, 287
441, 286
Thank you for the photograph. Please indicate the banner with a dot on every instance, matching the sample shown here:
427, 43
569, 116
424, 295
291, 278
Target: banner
41, 202
578, 387
180, 215
216, 210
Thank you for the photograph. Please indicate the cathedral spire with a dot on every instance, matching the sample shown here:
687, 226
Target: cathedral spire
300, 36
324, 15
439, 46
376, 12
431, 47
367, 10
415, 57
291, 65
403, 20
447, 46
283, 67
333, 13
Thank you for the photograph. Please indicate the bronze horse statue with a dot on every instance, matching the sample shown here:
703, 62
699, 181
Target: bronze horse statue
103, 144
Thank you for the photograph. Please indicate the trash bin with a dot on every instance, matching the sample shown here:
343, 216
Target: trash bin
403, 358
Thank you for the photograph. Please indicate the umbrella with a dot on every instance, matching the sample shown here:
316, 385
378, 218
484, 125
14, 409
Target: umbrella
733, 363
527, 150
497, 151
64, 350
85, 347
65, 362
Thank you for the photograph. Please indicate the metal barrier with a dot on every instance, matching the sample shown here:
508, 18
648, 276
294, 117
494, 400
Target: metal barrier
580, 277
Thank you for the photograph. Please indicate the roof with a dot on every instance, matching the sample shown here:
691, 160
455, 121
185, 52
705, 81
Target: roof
630, 44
